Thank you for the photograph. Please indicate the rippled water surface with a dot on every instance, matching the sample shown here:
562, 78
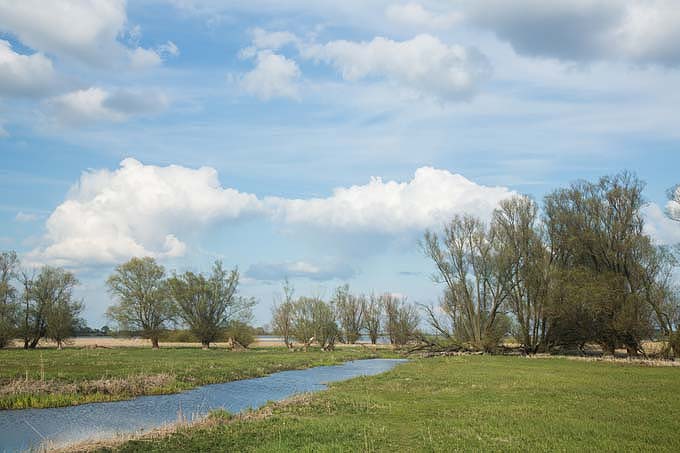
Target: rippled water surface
27, 428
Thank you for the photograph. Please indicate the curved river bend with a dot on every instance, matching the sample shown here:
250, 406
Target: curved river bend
29, 428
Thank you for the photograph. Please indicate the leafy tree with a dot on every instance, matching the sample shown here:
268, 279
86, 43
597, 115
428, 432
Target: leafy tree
373, 317
143, 300
9, 264
63, 319
239, 332
350, 310
326, 329
303, 325
208, 304
607, 270
466, 260
47, 295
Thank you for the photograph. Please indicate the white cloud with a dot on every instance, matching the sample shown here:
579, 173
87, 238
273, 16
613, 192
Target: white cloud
26, 216
300, 269
84, 30
414, 15
169, 48
136, 210
139, 209
431, 198
639, 31
24, 75
273, 76
96, 104
424, 64
657, 225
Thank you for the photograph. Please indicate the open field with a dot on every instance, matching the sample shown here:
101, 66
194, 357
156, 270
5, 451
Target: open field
467, 403
50, 378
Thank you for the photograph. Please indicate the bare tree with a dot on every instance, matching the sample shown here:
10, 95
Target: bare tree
524, 261
143, 300
466, 262
350, 310
282, 315
208, 304
9, 264
401, 319
373, 317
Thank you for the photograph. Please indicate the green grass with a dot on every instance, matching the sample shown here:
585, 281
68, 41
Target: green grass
464, 404
68, 377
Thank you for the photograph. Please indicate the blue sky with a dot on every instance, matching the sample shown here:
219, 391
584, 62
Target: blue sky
311, 139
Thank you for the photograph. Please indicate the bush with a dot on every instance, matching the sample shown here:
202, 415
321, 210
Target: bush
177, 336
240, 332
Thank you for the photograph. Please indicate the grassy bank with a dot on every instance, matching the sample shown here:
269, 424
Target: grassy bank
51, 378
466, 404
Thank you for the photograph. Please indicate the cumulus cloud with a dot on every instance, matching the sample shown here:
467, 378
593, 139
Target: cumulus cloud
136, 210
273, 76
661, 228
640, 31
140, 209
24, 75
431, 198
424, 64
97, 104
414, 15
86, 31
300, 269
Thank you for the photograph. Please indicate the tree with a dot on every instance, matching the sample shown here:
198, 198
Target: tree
350, 311
303, 325
466, 260
208, 304
282, 315
373, 317
63, 319
402, 319
9, 264
47, 296
326, 330
524, 261
608, 274
143, 301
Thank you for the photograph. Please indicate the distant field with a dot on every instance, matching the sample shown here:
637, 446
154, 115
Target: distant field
473, 403
49, 378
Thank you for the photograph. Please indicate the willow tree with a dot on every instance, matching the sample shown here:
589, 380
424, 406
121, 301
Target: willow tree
466, 262
207, 304
373, 317
282, 315
143, 304
524, 262
350, 310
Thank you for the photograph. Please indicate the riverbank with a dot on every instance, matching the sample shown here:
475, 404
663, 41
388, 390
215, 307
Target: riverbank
466, 403
51, 378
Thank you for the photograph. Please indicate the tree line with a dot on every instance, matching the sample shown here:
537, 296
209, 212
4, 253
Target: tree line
580, 271
345, 317
40, 304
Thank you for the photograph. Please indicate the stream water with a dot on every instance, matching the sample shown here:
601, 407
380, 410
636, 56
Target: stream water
29, 428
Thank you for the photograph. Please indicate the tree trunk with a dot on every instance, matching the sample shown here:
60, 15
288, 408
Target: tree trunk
205, 345
60, 345
154, 343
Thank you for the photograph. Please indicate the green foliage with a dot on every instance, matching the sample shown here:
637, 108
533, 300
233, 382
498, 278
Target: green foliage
9, 308
240, 332
350, 310
143, 301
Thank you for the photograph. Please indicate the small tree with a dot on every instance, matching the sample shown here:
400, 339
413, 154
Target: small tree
402, 319
63, 319
143, 301
9, 263
208, 304
325, 328
372, 318
303, 325
350, 310
282, 315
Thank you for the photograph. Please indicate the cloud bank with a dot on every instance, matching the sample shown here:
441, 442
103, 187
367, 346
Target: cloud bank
109, 216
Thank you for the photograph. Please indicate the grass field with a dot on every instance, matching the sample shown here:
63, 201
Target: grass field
50, 378
463, 404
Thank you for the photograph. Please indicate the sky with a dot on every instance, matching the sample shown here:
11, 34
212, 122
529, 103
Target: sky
316, 140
